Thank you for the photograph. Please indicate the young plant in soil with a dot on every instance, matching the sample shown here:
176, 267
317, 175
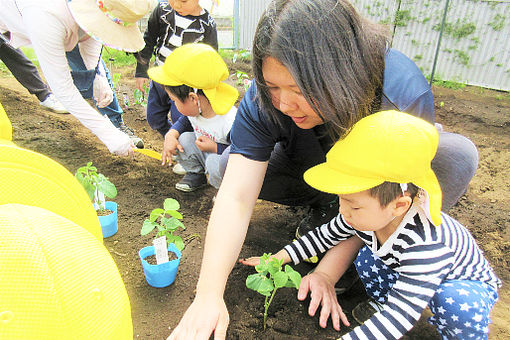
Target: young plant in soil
97, 186
270, 277
166, 221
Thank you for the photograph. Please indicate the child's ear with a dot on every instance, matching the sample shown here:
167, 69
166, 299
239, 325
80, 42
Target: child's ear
401, 205
193, 97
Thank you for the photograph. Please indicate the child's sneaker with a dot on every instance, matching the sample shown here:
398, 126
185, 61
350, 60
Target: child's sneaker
316, 217
364, 310
52, 103
178, 169
191, 182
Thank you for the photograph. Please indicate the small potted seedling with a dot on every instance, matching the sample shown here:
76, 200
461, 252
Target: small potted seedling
97, 187
166, 220
270, 277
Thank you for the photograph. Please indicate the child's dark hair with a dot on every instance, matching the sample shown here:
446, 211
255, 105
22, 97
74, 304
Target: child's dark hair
182, 91
388, 191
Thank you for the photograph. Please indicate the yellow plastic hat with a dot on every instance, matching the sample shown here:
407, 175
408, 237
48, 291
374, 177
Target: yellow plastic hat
30, 178
58, 281
387, 146
198, 66
5, 125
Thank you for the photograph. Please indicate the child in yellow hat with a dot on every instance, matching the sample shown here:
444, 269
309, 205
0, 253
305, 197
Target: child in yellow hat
412, 255
193, 77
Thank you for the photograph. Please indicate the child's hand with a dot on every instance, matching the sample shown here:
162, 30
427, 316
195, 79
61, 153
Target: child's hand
142, 83
206, 144
322, 292
170, 147
255, 260
251, 261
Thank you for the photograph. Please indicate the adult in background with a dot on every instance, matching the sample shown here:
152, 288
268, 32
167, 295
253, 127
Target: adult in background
69, 35
319, 68
26, 73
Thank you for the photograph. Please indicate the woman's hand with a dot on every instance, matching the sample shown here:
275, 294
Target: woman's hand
102, 92
203, 316
142, 83
170, 146
206, 144
322, 292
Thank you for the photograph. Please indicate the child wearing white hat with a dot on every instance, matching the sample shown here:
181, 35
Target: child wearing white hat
193, 77
412, 255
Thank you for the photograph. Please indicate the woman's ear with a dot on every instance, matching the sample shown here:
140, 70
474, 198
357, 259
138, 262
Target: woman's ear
401, 205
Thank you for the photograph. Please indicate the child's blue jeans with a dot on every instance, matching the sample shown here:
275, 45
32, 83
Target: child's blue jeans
158, 107
461, 307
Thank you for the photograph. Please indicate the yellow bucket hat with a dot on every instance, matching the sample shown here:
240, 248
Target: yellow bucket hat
198, 66
5, 125
58, 281
387, 146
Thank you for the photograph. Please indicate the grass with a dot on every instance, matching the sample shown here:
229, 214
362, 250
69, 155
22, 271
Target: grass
449, 84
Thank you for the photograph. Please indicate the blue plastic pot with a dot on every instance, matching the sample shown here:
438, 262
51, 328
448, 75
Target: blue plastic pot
160, 275
109, 223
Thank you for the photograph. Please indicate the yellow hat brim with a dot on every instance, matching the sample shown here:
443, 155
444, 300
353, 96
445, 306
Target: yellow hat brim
159, 75
430, 184
324, 178
222, 98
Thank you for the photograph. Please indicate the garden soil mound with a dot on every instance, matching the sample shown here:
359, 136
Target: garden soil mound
143, 184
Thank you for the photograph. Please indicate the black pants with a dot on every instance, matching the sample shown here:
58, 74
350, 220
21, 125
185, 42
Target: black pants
23, 69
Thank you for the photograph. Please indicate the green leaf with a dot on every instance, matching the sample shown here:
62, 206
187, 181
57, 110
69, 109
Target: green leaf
89, 188
253, 281
155, 214
169, 223
107, 188
260, 284
261, 267
266, 287
147, 227
294, 276
171, 204
280, 279
179, 243
174, 213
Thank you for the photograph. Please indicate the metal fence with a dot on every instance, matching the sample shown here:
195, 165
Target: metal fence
474, 35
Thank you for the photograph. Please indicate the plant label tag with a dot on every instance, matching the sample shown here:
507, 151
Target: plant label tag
161, 250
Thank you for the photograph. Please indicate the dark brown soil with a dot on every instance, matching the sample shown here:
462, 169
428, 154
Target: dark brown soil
143, 184
152, 258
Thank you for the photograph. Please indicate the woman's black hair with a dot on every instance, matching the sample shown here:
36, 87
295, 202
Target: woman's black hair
335, 56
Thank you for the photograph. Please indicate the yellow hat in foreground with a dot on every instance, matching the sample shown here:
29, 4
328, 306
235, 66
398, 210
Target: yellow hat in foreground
58, 281
5, 125
198, 66
387, 146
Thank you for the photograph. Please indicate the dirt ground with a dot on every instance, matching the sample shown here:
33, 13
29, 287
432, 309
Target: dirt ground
143, 184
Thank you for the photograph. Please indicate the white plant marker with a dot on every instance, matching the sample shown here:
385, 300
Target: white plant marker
100, 199
161, 249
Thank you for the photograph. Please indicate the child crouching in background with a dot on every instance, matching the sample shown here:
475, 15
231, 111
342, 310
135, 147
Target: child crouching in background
193, 78
413, 255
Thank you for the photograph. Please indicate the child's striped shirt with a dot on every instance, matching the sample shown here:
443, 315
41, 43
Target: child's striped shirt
422, 254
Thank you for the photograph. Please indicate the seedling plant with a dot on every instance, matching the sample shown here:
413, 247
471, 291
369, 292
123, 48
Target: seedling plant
166, 220
96, 185
270, 277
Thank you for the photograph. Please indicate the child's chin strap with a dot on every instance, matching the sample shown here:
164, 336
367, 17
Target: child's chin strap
403, 186
198, 100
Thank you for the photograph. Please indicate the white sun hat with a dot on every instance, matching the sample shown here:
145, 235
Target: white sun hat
112, 22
